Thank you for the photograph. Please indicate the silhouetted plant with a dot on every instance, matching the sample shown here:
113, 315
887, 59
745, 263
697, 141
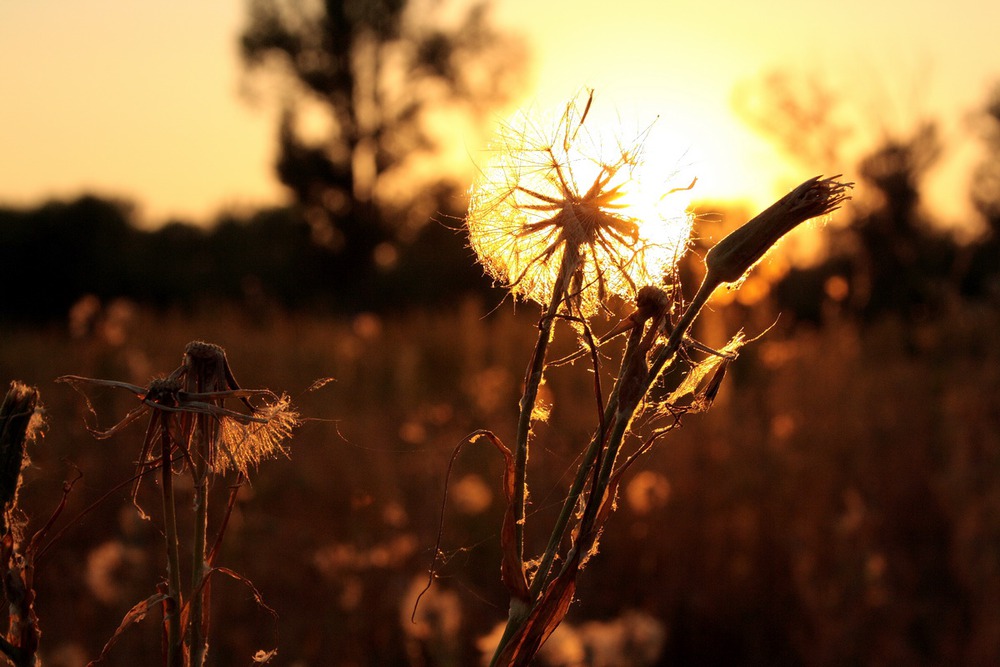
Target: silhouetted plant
376, 71
190, 430
549, 221
20, 423
982, 275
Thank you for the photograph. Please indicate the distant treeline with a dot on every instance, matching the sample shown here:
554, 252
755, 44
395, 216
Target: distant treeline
892, 258
56, 253
889, 259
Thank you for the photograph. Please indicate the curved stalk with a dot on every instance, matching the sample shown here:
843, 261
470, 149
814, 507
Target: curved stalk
599, 458
590, 457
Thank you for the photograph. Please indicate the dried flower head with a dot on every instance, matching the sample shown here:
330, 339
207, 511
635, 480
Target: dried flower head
730, 259
197, 390
552, 217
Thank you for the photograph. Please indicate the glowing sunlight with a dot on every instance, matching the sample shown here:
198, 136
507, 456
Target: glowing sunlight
574, 205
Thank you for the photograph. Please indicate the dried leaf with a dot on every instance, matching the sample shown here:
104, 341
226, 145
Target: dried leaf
134, 615
546, 615
261, 657
511, 567
709, 366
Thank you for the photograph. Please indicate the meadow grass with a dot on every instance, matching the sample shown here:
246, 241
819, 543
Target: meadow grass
838, 505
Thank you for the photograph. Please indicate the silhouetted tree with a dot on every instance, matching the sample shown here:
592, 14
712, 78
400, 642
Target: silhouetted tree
262, 261
802, 116
890, 255
65, 249
374, 71
905, 264
982, 276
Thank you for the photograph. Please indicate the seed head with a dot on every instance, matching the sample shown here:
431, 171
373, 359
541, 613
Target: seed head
552, 212
733, 256
189, 406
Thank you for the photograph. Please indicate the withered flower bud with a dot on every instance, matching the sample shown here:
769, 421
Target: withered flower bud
652, 301
734, 255
164, 391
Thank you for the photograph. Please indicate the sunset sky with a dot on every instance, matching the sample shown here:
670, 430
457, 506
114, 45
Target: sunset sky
142, 100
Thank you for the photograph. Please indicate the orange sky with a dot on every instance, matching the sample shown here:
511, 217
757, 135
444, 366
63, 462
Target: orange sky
141, 99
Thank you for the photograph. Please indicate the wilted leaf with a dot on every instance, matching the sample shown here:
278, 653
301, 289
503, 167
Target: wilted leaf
696, 376
511, 567
546, 615
134, 615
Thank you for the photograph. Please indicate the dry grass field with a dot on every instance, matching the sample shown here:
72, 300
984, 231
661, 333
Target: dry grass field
839, 505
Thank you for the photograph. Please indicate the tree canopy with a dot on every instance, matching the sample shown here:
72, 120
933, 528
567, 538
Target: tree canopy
361, 83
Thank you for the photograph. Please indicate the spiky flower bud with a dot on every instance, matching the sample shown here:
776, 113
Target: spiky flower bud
736, 254
164, 390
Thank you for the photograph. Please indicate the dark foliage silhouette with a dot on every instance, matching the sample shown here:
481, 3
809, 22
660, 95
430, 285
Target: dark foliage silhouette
375, 73
262, 261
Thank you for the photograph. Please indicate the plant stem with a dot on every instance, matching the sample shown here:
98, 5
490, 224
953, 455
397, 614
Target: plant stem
667, 352
532, 381
599, 458
199, 590
175, 655
584, 471
521, 611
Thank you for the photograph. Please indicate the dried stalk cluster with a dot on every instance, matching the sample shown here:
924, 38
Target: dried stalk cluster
191, 430
573, 249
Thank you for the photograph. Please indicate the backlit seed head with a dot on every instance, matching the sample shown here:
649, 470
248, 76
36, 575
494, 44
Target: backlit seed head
563, 210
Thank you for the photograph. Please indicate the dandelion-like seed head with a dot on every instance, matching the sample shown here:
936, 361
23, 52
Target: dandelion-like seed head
188, 407
247, 441
564, 215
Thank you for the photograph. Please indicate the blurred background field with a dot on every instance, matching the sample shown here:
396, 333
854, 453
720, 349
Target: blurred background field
839, 505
